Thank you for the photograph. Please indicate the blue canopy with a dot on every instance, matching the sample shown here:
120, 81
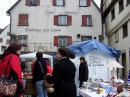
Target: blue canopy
86, 46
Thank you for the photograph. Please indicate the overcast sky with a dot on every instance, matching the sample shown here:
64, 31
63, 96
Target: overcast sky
6, 4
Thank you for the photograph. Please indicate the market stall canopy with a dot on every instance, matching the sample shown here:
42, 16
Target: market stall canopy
33, 55
87, 46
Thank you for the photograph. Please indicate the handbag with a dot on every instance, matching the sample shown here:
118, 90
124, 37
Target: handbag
8, 87
49, 87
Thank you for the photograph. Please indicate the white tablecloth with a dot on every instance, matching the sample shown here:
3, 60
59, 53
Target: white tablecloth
91, 94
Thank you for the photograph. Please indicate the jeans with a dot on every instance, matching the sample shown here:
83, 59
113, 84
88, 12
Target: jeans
41, 90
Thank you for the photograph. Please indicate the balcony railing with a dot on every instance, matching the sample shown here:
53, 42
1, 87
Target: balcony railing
41, 47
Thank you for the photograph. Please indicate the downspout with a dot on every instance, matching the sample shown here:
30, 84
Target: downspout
8, 14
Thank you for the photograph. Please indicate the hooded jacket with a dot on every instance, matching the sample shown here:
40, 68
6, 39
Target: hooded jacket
83, 71
13, 70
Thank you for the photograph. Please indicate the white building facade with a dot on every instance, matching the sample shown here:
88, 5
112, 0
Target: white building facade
45, 25
116, 17
4, 39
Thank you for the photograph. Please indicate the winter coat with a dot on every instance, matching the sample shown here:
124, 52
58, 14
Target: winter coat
37, 73
83, 71
13, 71
63, 78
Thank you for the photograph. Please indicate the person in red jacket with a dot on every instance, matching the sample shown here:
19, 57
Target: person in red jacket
13, 70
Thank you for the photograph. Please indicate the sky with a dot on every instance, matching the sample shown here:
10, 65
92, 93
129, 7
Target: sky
6, 4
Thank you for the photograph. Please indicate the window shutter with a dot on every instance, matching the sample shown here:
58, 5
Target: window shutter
1, 39
27, 2
20, 19
55, 40
7, 41
26, 19
63, 2
88, 2
37, 2
55, 20
54, 2
16, 40
69, 20
84, 20
69, 40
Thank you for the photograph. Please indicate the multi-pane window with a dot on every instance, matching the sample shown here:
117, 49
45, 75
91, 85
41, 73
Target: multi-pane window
86, 20
83, 3
3, 48
62, 41
32, 2
121, 5
112, 13
62, 20
22, 39
23, 19
84, 38
59, 2
125, 31
116, 36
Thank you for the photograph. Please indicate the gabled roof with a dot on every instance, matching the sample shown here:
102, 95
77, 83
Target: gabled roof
3, 29
20, 0
96, 5
8, 11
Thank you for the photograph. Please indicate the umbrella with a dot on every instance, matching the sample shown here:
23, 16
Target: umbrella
114, 64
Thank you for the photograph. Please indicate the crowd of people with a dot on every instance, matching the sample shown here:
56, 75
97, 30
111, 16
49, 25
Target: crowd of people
62, 78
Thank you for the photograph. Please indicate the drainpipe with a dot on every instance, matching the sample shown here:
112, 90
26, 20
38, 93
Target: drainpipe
8, 14
10, 34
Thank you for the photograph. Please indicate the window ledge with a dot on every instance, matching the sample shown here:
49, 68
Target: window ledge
116, 41
113, 19
83, 6
87, 25
127, 4
22, 25
121, 11
124, 36
32, 5
62, 25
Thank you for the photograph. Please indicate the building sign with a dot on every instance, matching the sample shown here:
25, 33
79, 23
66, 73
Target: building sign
42, 30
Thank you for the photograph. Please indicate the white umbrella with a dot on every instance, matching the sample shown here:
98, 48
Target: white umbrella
113, 64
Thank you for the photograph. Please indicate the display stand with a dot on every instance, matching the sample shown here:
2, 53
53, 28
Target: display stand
30, 89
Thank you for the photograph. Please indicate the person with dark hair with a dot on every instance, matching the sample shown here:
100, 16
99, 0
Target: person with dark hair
83, 71
23, 65
63, 76
13, 69
38, 76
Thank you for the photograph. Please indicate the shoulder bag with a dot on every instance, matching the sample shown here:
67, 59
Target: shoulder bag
46, 84
8, 87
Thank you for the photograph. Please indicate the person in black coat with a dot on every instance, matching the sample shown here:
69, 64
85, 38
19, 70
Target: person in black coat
63, 76
83, 71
